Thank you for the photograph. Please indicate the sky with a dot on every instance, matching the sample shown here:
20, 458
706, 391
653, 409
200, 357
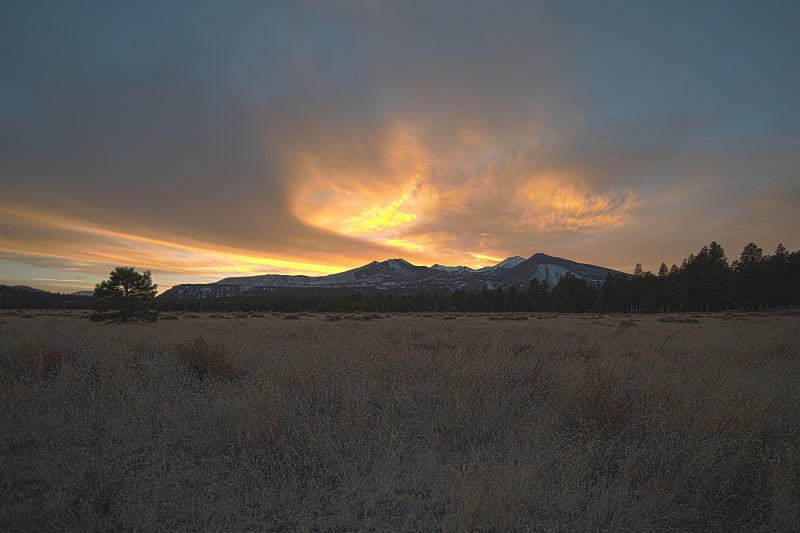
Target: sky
206, 139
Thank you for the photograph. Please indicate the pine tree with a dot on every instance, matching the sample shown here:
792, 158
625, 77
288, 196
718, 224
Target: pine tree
125, 295
751, 278
779, 274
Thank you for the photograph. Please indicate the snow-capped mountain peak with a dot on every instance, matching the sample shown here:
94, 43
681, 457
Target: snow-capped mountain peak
399, 264
505, 264
509, 262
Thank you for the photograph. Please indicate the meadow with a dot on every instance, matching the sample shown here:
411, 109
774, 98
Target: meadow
404, 422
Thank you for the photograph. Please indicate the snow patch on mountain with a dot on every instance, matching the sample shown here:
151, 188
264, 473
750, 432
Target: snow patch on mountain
399, 265
505, 264
510, 262
552, 274
83, 294
450, 269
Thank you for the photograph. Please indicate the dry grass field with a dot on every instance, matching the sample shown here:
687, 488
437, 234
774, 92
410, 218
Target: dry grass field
248, 422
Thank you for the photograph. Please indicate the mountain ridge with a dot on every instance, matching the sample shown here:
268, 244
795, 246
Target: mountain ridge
399, 274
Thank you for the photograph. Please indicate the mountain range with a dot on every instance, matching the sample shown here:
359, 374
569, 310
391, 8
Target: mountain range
399, 274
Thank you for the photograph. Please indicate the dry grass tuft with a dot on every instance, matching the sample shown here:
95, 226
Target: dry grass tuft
31, 362
207, 359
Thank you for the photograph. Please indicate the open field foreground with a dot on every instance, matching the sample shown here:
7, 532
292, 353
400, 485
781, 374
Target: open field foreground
401, 423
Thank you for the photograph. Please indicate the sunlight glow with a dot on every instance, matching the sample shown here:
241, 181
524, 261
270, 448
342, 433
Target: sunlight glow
402, 243
96, 250
378, 208
482, 257
482, 189
380, 218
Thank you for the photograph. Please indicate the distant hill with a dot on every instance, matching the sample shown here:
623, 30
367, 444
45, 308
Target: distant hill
399, 274
24, 297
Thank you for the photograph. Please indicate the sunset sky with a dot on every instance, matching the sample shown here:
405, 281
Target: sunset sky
202, 140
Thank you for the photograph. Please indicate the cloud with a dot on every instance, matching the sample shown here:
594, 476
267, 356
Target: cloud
305, 137
53, 240
458, 196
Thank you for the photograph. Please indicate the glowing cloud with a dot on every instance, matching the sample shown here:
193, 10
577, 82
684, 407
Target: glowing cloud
381, 206
547, 203
378, 219
94, 250
440, 204
482, 257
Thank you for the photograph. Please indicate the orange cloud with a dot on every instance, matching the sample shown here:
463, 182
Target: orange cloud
442, 205
380, 207
483, 257
549, 203
96, 250
380, 218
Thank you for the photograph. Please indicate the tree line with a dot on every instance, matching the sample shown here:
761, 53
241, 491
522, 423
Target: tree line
708, 282
704, 282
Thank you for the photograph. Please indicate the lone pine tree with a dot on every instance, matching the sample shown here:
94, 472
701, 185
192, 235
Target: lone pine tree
125, 295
